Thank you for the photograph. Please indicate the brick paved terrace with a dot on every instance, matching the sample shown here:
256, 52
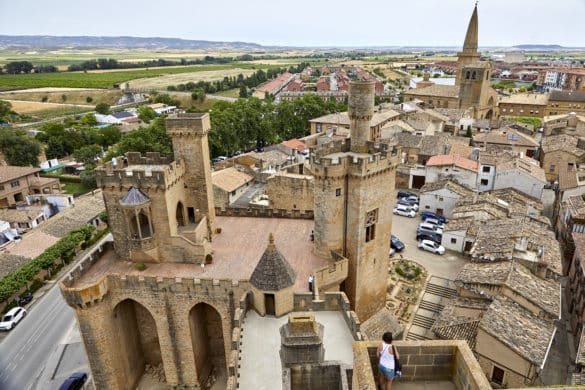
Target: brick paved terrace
236, 251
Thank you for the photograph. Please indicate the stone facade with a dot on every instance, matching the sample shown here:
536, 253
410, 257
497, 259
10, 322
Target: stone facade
291, 192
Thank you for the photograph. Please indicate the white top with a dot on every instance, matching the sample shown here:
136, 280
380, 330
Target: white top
387, 357
310, 278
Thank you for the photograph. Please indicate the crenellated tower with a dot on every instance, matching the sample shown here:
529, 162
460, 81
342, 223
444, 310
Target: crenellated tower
353, 215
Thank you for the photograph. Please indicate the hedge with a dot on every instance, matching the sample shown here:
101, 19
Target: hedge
64, 249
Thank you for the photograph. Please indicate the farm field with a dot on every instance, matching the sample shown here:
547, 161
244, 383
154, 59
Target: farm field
73, 96
108, 79
161, 82
27, 107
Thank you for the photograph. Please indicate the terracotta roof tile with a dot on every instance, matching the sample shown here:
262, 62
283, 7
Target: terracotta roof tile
458, 161
230, 179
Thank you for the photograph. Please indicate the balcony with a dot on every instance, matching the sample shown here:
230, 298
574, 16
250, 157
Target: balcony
432, 364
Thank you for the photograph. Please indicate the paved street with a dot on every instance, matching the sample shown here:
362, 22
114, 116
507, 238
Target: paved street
446, 266
38, 344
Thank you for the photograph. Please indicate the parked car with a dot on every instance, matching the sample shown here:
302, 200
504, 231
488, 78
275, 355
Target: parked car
13, 317
429, 214
396, 244
405, 211
404, 194
431, 246
424, 235
429, 227
412, 199
25, 299
404, 202
436, 222
74, 382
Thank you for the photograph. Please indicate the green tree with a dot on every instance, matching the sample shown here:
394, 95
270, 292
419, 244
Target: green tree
5, 110
87, 154
102, 108
146, 114
198, 95
18, 148
145, 139
63, 98
243, 91
89, 99
89, 120
87, 178
55, 149
166, 99
111, 135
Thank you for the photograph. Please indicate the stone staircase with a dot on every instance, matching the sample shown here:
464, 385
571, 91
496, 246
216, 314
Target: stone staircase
442, 291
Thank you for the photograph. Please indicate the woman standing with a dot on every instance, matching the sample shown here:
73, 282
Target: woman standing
386, 356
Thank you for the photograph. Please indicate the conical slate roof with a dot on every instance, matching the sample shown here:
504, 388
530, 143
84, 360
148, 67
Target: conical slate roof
470, 44
134, 197
273, 272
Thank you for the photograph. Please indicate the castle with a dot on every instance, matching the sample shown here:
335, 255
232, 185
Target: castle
472, 90
173, 289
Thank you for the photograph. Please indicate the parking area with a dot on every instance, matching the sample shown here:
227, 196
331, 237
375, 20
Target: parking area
445, 266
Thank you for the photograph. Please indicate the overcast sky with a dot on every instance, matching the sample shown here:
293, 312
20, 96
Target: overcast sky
305, 22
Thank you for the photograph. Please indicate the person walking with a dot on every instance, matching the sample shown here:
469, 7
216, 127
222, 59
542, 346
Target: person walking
386, 354
311, 283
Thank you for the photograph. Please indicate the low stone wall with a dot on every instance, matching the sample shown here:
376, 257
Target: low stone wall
331, 301
264, 213
330, 375
432, 360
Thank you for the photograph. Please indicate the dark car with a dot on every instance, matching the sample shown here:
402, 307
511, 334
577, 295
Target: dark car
426, 235
396, 244
74, 382
25, 299
429, 214
404, 194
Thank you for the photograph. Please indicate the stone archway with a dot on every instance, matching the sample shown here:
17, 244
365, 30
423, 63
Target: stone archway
140, 226
138, 344
208, 344
179, 214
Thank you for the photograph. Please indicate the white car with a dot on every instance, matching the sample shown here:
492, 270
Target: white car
435, 221
405, 211
431, 246
12, 318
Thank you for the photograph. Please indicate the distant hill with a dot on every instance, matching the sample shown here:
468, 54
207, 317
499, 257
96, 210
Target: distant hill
80, 42
540, 47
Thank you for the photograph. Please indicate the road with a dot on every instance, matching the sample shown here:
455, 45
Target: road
28, 346
26, 350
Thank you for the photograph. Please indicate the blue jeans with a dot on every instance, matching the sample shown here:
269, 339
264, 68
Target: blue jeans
387, 372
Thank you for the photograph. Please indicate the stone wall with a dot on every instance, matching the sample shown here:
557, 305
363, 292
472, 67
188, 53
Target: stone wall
329, 375
291, 192
432, 360
264, 213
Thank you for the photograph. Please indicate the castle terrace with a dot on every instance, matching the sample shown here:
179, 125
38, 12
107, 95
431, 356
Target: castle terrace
236, 251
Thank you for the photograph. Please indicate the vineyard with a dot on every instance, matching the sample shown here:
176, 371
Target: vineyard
107, 79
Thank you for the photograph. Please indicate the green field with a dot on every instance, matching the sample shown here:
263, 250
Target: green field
108, 79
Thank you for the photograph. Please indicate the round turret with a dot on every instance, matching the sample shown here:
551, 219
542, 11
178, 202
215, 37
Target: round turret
361, 110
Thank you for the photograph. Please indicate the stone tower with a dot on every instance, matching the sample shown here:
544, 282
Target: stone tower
189, 133
475, 90
469, 54
354, 186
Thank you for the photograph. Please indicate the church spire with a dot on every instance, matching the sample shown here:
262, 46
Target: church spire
470, 44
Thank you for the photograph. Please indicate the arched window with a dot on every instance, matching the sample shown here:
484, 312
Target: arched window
473, 75
467, 75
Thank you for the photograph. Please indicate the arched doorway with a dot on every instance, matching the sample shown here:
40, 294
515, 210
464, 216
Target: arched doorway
180, 215
489, 114
208, 343
138, 343
140, 226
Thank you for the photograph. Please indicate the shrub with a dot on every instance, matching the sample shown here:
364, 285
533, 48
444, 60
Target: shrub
140, 266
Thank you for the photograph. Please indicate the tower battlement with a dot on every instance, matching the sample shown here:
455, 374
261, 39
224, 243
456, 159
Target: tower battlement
146, 174
337, 164
188, 124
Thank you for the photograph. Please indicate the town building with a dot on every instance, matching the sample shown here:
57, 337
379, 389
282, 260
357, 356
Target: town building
506, 138
228, 185
340, 122
273, 87
568, 79
560, 154
440, 197
522, 174
16, 183
524, 105
564, 102
450, 167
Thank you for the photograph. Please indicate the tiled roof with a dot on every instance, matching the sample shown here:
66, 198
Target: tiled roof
519, 329
527, 164
295, 144
461, 150
567, 179
450, 325
543, 293
564, 142
230, 179
458, 161
18, 216
270, 157
273, 85
576, 206
9, 172
436, 90
504, 136
526, 98
448, 184
383, 321
134, 197
86, 208
342, 118
567, 96
458, 224
273, 272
